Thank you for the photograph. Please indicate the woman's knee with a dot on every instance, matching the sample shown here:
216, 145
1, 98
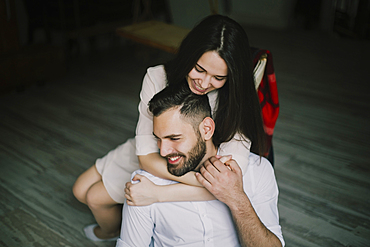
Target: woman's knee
97, 197
84, 182
79, 192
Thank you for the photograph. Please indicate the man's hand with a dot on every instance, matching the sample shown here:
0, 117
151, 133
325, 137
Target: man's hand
224, 181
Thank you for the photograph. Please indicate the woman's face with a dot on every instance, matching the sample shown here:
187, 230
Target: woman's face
209, 73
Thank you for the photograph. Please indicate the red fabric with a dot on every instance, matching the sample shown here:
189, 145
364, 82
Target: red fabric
268, 96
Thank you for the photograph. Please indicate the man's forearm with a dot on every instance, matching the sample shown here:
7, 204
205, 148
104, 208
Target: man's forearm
226, 184
251, 231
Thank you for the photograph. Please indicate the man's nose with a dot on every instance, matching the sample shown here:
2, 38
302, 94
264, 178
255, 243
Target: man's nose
165, 149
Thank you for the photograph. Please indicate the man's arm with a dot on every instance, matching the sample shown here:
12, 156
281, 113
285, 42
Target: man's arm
226, 184
137, 227
251, 231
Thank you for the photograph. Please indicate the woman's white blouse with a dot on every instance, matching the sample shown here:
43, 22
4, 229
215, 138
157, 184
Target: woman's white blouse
154, 81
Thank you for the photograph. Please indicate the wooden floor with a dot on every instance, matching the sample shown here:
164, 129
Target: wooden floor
50, 134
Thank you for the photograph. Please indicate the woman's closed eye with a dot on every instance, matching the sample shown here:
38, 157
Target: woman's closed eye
220, 78
199, 69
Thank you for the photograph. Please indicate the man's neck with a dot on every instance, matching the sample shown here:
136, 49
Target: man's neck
211, 151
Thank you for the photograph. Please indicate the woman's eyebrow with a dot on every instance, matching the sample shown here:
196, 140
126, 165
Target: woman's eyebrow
201, 67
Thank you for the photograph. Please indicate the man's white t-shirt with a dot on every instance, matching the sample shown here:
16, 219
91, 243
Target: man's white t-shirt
202, 223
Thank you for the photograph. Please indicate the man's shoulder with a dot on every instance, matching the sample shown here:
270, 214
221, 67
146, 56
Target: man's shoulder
156, 180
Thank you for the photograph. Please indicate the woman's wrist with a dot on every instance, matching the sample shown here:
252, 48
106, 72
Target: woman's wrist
190, 179
161, 195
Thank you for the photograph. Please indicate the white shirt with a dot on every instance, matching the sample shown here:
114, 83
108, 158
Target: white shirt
154, 81
205, 223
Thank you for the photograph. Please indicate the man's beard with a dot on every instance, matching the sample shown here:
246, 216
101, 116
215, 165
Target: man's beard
195, 156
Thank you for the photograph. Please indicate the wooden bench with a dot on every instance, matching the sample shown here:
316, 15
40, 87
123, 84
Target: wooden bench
156, 34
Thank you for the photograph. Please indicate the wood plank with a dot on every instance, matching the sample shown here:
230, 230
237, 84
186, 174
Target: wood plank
157, 34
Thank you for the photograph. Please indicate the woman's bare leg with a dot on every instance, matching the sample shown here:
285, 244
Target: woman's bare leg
89, 189
107, 212
84, 182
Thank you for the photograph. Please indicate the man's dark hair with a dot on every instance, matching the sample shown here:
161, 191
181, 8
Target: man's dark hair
193, 108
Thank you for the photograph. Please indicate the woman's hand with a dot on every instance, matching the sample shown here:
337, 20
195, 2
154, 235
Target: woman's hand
143, 193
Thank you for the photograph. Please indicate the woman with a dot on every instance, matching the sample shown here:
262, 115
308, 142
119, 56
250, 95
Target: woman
213, 59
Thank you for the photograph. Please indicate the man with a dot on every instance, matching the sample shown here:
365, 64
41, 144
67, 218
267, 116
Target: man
184, 128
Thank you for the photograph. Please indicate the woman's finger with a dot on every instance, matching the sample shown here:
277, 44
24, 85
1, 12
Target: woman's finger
224, 159
127, 191
137, 177
130, 203
128, 185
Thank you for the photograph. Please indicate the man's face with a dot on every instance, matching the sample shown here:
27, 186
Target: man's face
178, 143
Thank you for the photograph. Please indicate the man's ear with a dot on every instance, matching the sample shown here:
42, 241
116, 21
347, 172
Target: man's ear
207, 128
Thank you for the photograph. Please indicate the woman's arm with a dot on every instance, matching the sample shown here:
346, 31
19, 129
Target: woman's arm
146, 192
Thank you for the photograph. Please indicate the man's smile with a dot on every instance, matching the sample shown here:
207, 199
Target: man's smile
174, 159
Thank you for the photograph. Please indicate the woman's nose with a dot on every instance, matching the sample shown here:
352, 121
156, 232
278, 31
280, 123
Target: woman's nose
206, 81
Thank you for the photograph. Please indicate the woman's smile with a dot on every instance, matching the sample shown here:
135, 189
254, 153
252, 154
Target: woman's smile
199, 88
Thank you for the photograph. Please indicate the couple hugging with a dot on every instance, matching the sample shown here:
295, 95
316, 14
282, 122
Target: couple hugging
207, 111
246, 204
